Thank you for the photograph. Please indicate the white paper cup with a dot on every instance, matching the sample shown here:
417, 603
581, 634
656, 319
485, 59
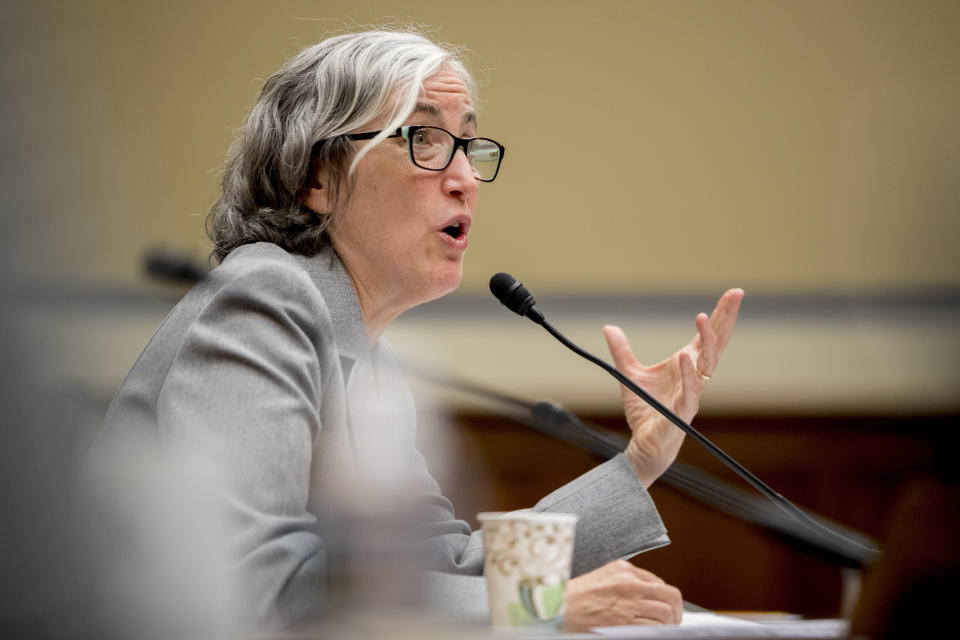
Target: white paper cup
528, 557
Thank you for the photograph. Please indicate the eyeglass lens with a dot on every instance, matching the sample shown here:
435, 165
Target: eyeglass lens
432, 148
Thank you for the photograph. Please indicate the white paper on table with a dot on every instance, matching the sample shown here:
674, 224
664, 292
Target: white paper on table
711, 625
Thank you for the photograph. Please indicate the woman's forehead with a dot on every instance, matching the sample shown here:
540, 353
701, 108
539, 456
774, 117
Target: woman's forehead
445, 94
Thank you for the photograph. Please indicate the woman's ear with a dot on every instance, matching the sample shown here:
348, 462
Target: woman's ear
318, 195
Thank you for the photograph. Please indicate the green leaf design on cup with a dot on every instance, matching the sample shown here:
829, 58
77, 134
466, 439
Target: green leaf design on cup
542, 602
518, 616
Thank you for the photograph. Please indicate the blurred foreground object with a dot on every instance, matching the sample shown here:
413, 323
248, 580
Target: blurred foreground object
911, 591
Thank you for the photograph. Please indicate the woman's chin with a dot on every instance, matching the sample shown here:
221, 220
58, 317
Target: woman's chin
446, 281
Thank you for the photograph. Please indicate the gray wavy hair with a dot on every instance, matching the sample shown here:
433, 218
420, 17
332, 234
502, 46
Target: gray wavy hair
298, 128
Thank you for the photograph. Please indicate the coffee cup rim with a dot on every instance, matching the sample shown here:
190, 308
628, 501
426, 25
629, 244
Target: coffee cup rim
487, 516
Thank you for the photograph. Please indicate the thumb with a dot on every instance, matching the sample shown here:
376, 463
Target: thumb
619, 346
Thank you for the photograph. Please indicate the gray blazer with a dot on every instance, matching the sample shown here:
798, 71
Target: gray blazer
264, 367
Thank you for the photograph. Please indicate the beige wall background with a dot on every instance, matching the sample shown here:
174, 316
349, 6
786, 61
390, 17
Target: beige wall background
790, 148
652, 146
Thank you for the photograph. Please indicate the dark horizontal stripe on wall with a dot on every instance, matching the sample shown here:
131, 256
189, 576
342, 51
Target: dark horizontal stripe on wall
946, 300
932, 300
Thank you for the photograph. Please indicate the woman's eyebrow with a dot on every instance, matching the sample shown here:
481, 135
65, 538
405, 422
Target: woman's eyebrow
433, 111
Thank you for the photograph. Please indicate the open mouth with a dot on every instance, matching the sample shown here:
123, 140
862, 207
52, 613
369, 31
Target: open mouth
454, 230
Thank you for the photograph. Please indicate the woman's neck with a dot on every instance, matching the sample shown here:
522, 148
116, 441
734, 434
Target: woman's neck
380, 303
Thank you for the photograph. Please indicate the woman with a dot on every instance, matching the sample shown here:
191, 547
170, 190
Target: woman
347, 199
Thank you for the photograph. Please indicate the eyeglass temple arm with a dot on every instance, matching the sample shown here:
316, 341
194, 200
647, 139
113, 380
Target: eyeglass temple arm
370, 135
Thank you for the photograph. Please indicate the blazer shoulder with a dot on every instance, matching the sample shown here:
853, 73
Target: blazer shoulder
262, 263
257, 281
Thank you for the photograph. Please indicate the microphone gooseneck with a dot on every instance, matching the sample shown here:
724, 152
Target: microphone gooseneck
555, 421
515, 297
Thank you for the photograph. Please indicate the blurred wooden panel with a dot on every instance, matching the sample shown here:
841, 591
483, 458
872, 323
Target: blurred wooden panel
846, 468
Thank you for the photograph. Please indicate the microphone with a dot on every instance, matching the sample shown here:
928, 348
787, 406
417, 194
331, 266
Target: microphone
559, 423
515, 297
840, 546
173, 266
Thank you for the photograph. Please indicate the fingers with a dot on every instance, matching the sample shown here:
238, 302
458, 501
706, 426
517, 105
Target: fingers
687, 402
651, 597
619, 346
653, 612
724, 316
709, 349
656, 603
620, 593
713, 333
692, 380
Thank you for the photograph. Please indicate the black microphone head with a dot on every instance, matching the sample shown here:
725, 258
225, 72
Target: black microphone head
501, 284
172, 265
514, 296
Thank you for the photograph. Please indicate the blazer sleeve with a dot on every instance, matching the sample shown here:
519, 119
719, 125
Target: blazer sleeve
617, 520
243, 390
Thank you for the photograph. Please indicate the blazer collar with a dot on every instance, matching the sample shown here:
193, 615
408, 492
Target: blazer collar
329, 276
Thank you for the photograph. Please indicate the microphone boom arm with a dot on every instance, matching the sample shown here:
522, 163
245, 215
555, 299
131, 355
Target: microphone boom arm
785, 505
513, 295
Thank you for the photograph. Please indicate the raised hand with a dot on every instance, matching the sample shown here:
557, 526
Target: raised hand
677, 382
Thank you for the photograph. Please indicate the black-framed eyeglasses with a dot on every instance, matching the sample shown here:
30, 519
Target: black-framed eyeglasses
432, 148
